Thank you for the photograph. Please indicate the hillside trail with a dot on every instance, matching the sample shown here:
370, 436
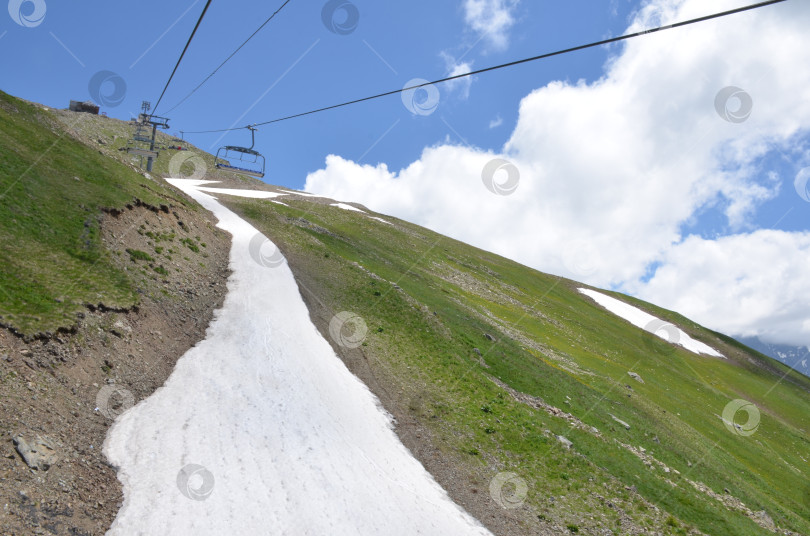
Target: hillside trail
262, 429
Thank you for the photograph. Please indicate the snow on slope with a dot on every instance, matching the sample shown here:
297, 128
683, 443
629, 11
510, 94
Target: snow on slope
344, 206
275, 434
256, 194
650, 323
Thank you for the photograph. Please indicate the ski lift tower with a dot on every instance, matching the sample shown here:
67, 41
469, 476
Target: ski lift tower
156, 122
143, 142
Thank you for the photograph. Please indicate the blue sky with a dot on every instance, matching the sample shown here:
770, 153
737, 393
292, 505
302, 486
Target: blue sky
630, 176
393, 43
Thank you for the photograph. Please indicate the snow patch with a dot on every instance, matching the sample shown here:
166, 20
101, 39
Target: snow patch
303, 194
639, 318
254, 194
344, 206
261, 427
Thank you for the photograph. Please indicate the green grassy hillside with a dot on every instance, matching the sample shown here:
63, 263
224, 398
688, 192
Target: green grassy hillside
52, 192
429, 303
59, 171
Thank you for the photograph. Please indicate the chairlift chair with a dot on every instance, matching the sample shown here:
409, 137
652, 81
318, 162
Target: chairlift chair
247, 160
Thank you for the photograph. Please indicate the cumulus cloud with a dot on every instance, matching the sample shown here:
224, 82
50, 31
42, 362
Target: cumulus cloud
612, 171
495, 123
491, 20
748, 284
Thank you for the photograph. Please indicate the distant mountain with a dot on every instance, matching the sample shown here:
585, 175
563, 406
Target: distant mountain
797, 357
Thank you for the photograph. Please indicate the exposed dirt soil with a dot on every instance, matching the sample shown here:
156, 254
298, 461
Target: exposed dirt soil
68, 388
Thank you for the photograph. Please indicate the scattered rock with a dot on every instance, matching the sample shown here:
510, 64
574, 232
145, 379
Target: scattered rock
38, 453
618, 420
764, 520
477, 351
565, 442
635, 377
489, 337
120, 329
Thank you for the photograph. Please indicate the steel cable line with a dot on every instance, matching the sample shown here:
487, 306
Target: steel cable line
229, 57
510, 64
205, 9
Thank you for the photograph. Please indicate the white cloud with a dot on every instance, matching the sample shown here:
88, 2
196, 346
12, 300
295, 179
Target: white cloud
491, 20
611, 171
750, 284
495, 123
454, 68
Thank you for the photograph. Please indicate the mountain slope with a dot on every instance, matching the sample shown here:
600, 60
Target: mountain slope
793, 356
469, 345
100, 293
489, 368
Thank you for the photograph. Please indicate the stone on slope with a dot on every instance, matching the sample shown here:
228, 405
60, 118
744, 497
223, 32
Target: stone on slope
38, 453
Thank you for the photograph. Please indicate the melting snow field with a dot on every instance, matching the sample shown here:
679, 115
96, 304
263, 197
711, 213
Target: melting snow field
261, 429
648, 322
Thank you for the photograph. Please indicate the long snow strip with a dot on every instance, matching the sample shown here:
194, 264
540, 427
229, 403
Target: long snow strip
648, 322
261, 428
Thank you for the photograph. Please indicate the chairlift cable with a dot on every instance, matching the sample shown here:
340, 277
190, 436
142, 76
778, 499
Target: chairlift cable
199, 21
510, 64
229, 57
